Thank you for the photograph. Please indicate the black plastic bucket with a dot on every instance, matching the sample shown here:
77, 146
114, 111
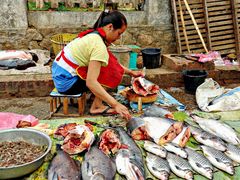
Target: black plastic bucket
192, 79
151, 57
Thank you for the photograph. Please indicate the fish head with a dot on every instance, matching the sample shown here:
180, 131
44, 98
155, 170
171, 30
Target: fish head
229, 168
208, 172
220, 146
188, 175
164, 175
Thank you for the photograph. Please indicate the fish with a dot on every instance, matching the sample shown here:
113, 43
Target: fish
136, 127
62, 130
109, 142
208, 139
200, 163
130, 155
180, 166
162, 130
171, 147
156, 111
78, 140
144, 87
97, 165
182, 139
58, 170
218, 159
233, 152
155, 149
158, 166
217, 128
126, 167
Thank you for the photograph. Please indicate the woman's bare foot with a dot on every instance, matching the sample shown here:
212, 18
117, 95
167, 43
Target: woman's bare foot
103, 110
98, 107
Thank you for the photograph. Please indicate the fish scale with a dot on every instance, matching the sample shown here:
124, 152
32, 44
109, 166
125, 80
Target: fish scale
207, 138
158, 166
233, 152
200, 163
218, 128
179, 166
218, 159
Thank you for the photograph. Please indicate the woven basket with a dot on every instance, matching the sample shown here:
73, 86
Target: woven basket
60, 40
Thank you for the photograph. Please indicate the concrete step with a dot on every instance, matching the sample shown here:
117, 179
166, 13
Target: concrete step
40, 85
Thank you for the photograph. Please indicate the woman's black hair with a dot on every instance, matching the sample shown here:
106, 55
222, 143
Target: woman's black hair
116, 18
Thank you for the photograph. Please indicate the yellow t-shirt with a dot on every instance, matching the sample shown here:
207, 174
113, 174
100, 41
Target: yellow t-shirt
88, 48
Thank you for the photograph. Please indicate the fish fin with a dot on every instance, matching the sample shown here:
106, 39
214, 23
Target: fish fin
58, 147
55, 176
98, 176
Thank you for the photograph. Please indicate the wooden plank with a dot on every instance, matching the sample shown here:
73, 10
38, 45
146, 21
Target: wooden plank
228, 36
222, 28
226, 41
183, 25
219, 8
219, 3
220, 18
236, 28
219, 12
176, 26
222, 23
222, 47
208, 32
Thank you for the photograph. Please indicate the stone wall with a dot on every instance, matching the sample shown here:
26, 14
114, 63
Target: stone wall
22, 29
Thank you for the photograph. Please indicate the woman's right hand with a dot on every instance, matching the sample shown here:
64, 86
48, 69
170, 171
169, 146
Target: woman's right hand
122, 111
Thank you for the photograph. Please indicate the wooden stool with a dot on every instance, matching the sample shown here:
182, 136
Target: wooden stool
55, 103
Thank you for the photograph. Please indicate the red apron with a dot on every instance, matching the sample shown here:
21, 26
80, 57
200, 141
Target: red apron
110, 75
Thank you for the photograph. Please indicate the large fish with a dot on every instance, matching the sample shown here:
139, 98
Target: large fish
157, 166
64, 167
136, 127
183, 137
171, 147
207, 138
218, 159
109, 142
156, 111
155, 149
180, 166
144, 87
233, 152
200, 163
131, 155
162, 130
126, 167
78, 140
218, 128
97, 165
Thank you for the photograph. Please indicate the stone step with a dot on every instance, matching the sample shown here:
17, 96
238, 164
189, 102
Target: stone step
40, 85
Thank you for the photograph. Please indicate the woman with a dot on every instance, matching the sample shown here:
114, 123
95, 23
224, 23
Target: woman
85, 63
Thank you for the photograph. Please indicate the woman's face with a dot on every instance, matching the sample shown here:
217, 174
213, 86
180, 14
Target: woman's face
114, 34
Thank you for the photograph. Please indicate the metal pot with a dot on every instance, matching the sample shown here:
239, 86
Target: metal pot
30, 136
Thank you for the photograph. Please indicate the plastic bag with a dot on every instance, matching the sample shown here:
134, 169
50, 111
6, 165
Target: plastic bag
10, 120
211, 97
